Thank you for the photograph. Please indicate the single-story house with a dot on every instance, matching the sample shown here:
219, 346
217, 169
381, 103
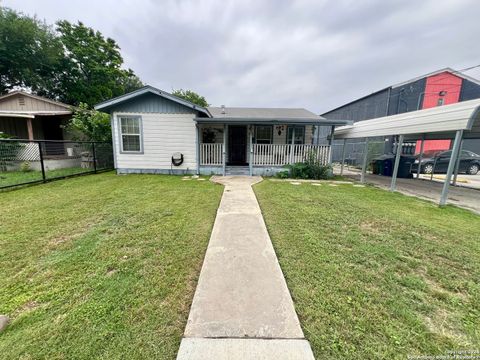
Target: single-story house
31, 117
156, 132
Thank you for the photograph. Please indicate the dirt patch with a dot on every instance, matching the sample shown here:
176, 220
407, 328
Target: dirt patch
25, 308
59, 240
443, 323
372, 227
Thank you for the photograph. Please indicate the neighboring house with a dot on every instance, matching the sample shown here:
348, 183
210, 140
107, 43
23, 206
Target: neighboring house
32, 117
442, 87
156, 132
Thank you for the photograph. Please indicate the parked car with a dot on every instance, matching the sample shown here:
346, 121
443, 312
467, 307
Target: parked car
438, 163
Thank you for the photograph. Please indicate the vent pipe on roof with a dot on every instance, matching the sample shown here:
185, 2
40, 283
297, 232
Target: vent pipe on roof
223, 109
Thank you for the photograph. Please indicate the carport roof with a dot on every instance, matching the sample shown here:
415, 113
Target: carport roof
437, 122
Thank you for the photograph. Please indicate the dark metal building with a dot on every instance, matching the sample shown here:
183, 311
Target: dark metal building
442, 87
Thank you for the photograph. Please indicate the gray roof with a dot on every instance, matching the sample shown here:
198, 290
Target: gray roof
265, 115
106, 105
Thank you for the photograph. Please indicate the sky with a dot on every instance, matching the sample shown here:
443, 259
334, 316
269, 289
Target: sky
275, 53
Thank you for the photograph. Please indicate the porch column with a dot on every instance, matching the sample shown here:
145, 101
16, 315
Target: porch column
292, 145
457, 164
225, 127
451, 165
420, 158
197, 139
365, 159
398, 154
344, 149
30, 128
250, 141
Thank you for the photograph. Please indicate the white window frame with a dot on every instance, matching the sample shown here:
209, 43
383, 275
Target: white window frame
271, 134
292, 141
120, 134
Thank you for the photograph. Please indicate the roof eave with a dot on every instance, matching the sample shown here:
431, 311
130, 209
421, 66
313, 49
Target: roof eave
149, 89
279, 121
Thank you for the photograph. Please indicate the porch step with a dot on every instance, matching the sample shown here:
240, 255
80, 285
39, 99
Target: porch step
237, 170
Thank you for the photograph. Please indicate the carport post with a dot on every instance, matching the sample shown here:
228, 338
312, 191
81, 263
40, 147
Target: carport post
457, 164
365, 159
344, 148
420, 158
398, 154
451, 165
330, 142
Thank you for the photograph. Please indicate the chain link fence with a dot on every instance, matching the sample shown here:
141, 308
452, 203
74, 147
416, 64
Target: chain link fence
26, 162
354, 152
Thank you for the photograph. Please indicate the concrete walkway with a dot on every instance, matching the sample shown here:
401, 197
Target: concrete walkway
242, 308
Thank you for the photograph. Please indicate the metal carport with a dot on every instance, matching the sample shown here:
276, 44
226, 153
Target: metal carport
459, 121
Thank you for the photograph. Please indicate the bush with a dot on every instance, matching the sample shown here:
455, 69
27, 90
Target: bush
283, 174
25, 166
311, 168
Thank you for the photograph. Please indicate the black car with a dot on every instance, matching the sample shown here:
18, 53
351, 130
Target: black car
438, 163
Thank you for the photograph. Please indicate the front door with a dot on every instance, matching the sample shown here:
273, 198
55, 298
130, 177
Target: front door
237, 145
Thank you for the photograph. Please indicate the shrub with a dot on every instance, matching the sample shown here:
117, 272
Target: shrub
25, 166
311, 168
283, 174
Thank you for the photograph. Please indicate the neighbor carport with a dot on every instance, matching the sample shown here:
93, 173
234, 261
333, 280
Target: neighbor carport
457, 121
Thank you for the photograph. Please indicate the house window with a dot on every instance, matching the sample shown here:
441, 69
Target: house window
263, 134
299, 134
440, 102
131, 133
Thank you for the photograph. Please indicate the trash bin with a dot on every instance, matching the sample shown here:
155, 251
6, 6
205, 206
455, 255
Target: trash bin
382, 165
376, 166
404, 168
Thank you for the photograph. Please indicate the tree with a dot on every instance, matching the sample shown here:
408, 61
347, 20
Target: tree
30, 52
73, 64
93, 66
92, 125
191, 96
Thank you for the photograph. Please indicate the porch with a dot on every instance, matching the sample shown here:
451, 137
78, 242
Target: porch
256, 149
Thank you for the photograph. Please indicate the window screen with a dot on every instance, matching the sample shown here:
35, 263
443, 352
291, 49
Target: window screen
263, 134
130, 134
299, 134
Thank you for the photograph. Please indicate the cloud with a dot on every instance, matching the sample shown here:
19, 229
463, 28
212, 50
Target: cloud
313, 54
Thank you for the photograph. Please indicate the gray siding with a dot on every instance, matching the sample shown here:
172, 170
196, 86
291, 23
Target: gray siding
150, 103
369, 107
407, 97
469, 90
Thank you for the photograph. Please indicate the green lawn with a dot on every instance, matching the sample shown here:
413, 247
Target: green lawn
376, 275
102, 266
8, 178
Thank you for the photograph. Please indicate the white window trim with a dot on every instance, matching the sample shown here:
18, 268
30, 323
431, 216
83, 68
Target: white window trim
119, 127
297, 127
271, 134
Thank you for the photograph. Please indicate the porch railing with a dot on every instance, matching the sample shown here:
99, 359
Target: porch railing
279, 155
211, 154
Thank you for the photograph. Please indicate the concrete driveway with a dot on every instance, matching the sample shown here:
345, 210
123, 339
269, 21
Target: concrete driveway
461, 196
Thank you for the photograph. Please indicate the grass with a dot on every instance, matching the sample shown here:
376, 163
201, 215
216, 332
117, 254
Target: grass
373, 274
101, 266
19, 177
